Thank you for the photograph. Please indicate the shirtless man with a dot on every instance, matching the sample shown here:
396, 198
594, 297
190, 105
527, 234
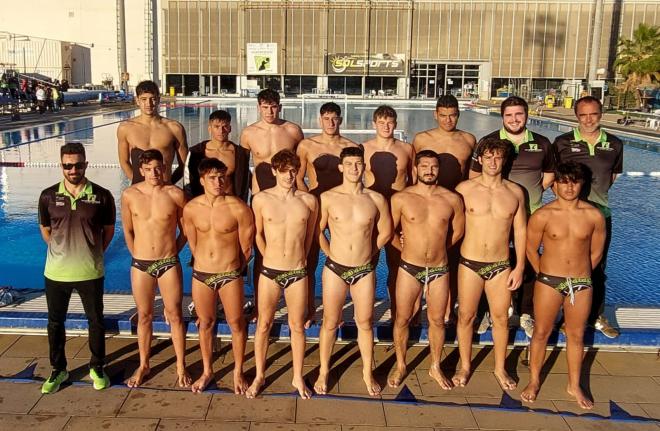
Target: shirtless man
235, 158
151, 211
286, 222
151, 131
573, 235
319, 160
454, 148
351, 212
432, 219
220, 230
389, 164
492, 206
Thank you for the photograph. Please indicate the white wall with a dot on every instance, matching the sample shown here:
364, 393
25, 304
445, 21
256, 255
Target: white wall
87, 22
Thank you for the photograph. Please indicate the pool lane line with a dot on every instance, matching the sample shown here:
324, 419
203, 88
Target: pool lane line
73, 131
507, 403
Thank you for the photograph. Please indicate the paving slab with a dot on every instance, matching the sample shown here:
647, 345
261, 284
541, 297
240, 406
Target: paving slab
230, 407
32, 422
81, 423
18, 397
351, 382
165, 404
555, 362
543, 406
6, 340
31, 346
78, 369
326, 410
344, 355
601, 409
418, 357
434, 414
388, 428
625, 389
116, 349
631, 364
82, 400
10, 367
180, 425
264, 426
481, 384
518, 419
652, 410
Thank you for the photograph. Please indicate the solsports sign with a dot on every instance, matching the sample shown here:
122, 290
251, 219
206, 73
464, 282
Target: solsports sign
360, 64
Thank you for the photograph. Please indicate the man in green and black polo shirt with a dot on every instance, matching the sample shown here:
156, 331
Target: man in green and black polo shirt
601, 154
76, 219
531, 165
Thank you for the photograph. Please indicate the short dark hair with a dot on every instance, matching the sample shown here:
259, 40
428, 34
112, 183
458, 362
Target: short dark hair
220, 115
72, 148
513, 101
352, 152
147, 87
330, 107
284, 158
570, 171
268, 95
384, 111
149, 155
425, 154
588, 99
494, 145
210, 164
447, 101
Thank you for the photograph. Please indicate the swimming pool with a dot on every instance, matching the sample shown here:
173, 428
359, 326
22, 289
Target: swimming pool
633, 261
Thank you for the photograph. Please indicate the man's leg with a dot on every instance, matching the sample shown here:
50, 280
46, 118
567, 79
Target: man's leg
576, 320
334, 297
205, 308
232, 297
499, 300
143, 286
296, 305
392, 258
470, 288
548, 302
58, 295
599, 278
407, 291
269, 295
170, 285
436, 300
312, 263
363, 295
91, 296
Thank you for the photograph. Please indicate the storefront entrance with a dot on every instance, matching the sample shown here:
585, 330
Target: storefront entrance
428, 81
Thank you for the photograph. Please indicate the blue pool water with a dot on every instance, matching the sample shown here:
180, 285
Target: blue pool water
632, 265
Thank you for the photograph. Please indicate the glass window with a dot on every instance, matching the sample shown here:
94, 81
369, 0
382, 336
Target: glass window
228, 84
175, 81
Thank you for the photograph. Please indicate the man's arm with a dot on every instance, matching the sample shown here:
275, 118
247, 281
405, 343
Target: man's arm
181, 151
323, 223
189, 227
300, 178
411, 166
457, 220
535, 229
45, 233
108, 234
123, 148
598, 239
384, 223
396, 220
547, 179
260, 239
312, 223
180, 200
519, 242
127, 221
245, 230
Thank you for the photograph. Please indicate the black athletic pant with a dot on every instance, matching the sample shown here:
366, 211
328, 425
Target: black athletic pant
58, 294
598, 277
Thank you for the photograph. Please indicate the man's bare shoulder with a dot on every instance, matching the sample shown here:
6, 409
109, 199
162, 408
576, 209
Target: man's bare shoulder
468, 137
466, 186
131, 191
515, 188
376, 197
291, 127
545, 212
590, 210
447, 194
171, 124
175, 192
237, 204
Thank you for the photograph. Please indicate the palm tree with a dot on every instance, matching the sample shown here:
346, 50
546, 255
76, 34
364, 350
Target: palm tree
638, 60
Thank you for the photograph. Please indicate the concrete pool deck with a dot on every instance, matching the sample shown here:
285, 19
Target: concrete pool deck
625, 384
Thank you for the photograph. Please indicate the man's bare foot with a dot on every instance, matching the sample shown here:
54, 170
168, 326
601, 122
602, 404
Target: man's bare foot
396, 376
240, 384
461, 378
255, 387
303, 390
529, 393
183, 378
321, 385
505, 380
436, 373
582, 400
373, 388
138, 377
201, 383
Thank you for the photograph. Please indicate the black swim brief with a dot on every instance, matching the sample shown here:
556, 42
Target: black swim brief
486, 270
284, 279
350, 274
156, 268
216, 280
424, 275
567, 286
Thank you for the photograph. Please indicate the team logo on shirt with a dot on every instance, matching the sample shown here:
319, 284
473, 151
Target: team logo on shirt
91, 199
534, 148
575, 146
605, 146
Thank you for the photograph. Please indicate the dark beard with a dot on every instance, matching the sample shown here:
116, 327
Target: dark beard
427, 182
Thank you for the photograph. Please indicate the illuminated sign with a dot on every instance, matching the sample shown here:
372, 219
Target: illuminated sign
360, 64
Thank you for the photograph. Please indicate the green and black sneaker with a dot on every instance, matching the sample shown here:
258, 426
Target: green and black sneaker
100, 379
52, 385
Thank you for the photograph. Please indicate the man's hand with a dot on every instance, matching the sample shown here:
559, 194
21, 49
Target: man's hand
515, 279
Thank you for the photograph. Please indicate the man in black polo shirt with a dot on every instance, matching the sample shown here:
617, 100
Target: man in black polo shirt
602, 155
76, 219
530, 165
